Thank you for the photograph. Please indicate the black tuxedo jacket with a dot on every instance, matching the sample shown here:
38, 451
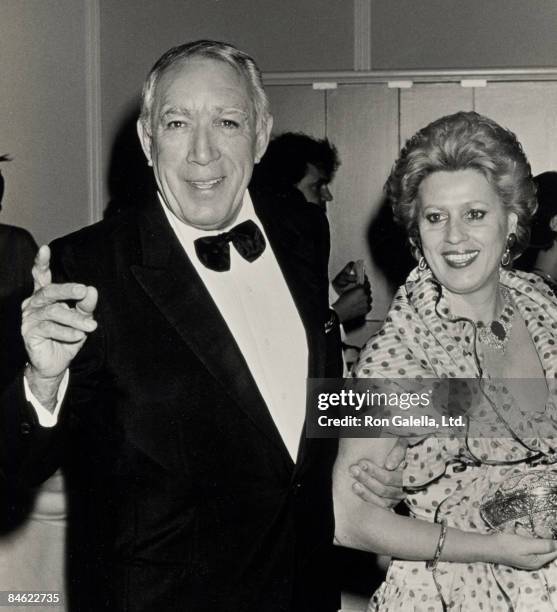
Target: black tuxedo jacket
183, 495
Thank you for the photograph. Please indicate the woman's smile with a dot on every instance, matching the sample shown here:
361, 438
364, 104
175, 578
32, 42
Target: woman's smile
460, 259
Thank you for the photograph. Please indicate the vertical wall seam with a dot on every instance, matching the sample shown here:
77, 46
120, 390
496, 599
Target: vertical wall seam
326, 112
399, 102
362, 34
93, 108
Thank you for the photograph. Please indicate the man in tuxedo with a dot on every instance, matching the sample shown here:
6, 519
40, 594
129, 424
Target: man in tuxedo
168, 354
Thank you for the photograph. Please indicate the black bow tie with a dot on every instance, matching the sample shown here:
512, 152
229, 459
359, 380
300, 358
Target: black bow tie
214, 251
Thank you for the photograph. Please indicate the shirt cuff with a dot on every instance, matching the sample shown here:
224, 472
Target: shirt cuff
45, 417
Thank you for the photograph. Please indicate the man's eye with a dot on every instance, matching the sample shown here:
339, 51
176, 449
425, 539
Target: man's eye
229, 123
476, 214
175, 124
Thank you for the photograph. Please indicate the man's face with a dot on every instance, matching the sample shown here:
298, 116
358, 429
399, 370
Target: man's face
315, 186
202, 141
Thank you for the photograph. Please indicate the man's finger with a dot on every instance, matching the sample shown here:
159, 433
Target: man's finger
41, 268
370, 497
61, 314
89, 302
390, 478
55, 331
397, 455
56, 292
380, 482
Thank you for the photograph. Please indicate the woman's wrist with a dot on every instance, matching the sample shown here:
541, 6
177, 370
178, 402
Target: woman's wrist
488, 547
469, 547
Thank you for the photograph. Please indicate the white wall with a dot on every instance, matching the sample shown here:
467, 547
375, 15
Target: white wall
43, 69
42, 123
423, 34
282, 35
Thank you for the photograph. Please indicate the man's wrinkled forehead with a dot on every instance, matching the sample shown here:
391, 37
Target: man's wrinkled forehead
234, 84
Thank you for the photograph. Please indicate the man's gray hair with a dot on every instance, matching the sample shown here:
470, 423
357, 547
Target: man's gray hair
211, 49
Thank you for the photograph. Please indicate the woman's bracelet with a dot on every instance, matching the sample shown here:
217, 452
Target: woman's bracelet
431, 565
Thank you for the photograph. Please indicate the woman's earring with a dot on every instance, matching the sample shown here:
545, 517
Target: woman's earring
422, 264
511, 241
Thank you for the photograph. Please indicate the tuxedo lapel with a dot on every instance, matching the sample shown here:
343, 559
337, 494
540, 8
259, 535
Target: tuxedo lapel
170, 280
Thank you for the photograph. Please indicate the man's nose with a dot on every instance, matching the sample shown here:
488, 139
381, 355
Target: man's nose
326, 195
455, 231
203, 149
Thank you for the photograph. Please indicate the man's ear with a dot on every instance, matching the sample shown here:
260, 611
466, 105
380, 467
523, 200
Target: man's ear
553, 223
145, 139
262, 137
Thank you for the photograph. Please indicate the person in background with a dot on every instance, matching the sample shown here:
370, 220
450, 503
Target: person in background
32, 521
462, 189
296, 165
383, 233
17, 252
540, 255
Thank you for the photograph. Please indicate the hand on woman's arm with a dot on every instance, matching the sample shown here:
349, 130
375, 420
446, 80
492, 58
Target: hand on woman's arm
366, 526
381, 484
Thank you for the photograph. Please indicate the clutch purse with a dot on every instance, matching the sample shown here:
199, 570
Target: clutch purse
524, 504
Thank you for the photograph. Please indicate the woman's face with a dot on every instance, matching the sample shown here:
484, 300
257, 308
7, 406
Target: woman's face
463, 228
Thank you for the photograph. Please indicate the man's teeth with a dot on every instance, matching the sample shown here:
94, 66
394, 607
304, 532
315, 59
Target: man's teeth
461, 257
205, 184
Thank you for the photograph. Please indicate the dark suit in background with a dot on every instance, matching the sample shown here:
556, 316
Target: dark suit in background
17, 251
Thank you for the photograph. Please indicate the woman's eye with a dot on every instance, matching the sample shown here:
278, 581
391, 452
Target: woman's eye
476, 214
433, 217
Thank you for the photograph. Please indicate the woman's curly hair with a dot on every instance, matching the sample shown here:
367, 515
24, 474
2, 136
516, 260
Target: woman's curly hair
465, 140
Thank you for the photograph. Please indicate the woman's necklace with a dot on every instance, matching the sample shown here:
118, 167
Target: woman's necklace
496, 333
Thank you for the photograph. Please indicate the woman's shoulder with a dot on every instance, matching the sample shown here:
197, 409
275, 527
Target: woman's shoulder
528, 284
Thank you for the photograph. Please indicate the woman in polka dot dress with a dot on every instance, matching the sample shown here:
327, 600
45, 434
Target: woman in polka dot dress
462, 188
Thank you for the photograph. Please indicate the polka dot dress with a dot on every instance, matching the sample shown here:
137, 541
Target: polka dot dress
449, 476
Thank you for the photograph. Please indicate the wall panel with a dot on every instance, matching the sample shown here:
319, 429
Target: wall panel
362, 121
282, 36
42, 125
297, 108
425, 34
424, 103
529, 110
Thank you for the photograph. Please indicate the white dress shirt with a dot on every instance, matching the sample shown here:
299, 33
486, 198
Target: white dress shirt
255, 302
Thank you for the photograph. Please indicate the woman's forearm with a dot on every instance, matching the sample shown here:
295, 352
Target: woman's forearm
366, 526
371, 528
